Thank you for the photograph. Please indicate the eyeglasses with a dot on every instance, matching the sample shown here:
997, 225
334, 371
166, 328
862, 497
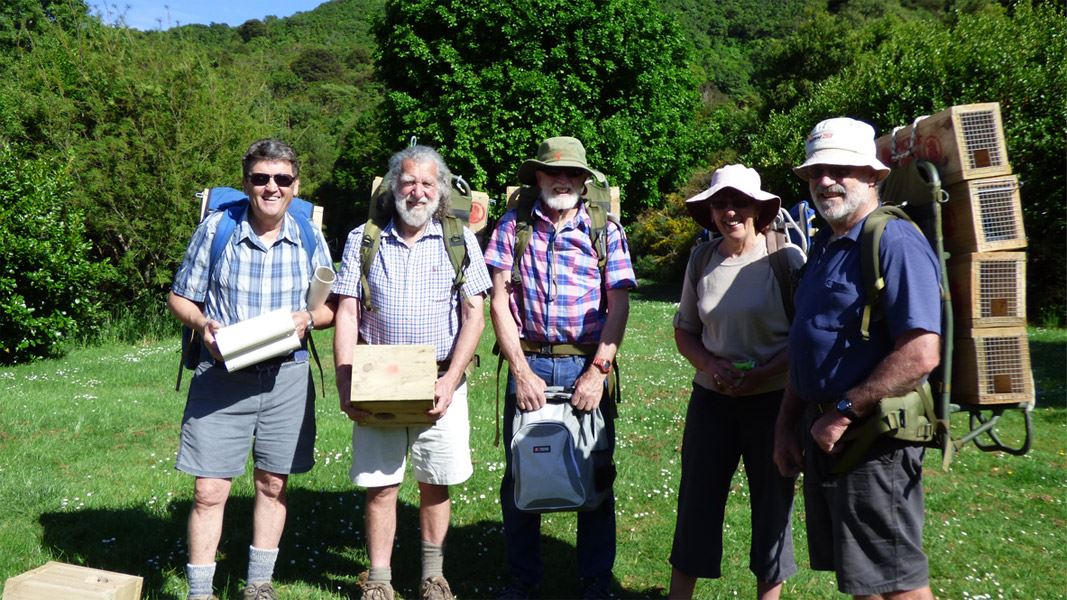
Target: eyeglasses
281, 179
568, 171
735, 203
835, 172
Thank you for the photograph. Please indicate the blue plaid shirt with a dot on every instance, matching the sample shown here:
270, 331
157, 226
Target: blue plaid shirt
411, 288
250, 278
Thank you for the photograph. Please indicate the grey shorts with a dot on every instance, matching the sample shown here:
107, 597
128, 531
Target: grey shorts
867, 525
270, 410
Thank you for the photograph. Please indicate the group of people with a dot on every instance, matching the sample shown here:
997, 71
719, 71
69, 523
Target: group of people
778, 392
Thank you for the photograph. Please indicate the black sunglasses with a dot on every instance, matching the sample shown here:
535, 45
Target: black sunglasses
281, 179
568, 171
736, 203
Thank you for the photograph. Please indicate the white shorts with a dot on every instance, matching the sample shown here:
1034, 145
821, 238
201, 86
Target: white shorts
440, 454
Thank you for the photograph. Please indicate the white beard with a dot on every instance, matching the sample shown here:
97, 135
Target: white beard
841, 208
560, 202
418, 216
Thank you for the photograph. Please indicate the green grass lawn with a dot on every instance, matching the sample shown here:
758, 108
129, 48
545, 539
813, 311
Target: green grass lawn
87, 448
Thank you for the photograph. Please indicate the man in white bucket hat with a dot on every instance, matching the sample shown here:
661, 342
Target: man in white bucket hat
865, 523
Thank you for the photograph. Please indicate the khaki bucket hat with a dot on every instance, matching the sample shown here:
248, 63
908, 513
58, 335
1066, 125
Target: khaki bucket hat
556, 152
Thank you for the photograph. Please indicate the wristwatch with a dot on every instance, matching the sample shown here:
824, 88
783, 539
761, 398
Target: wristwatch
844, 406
603, 365
311, 322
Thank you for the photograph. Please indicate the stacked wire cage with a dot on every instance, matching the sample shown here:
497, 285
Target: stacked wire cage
983, 232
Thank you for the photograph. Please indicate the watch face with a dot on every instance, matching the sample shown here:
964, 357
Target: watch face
603, 365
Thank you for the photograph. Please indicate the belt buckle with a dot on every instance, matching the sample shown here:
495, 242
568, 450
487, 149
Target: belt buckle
545, 349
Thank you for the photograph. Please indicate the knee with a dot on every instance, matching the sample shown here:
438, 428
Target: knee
270, 485
210, 493
380, 496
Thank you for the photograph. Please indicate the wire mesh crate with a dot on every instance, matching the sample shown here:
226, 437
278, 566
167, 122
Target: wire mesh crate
984, 215
992, 366
963, 142
988, 289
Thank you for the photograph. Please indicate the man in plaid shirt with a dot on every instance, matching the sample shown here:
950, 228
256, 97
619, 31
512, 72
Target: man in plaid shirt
268, 407
411, 285
561, 326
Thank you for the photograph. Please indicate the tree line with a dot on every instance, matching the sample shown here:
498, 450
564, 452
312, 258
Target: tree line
107, 133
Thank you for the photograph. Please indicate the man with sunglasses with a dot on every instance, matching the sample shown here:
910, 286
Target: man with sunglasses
865, 522
560, 326
267, 407
411, 281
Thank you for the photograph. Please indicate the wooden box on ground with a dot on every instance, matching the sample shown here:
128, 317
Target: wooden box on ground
983, 215
988, 289
963, 142
395, 383
992, 366
60, 581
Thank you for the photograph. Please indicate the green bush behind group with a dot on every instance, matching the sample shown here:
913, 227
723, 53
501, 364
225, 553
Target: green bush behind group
107, 133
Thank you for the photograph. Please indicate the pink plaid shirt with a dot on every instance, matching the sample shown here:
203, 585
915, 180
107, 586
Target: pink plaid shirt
561, 287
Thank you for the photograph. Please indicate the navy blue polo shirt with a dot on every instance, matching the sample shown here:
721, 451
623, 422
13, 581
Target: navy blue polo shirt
828, 356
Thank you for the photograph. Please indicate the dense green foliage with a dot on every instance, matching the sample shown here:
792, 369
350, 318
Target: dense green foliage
49, 288
661, 94
610, 72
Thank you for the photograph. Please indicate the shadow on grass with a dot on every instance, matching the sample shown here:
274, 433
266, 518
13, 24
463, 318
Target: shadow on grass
322, 547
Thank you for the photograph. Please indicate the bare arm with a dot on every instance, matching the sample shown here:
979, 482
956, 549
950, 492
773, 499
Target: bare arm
345, 337
589, 389
472, 315
191, 314
529, 388
914, 355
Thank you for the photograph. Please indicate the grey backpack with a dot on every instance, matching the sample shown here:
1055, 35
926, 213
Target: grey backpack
560, 457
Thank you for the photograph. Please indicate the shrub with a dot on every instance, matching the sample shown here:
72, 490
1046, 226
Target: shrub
49, 289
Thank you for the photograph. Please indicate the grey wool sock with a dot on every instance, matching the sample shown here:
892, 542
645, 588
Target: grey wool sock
200, 578
261, 564
380, 574
433, 560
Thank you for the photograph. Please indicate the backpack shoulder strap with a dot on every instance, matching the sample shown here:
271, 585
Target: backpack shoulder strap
776, 241
232, 213
368, 249
871, 262
523, 232
599, 218
456, 246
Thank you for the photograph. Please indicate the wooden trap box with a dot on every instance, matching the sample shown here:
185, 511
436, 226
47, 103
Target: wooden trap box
963, 142
988, 289
992, 366
394, 383
61, 581
984, 215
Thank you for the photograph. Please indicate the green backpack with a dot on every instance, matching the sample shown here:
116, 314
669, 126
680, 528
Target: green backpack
381, 212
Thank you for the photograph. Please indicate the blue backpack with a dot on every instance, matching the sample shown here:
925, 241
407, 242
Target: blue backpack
233, 203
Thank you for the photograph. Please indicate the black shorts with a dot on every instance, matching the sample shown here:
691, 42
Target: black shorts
867, 525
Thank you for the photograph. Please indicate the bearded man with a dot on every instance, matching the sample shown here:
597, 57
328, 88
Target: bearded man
411, 281
560, 325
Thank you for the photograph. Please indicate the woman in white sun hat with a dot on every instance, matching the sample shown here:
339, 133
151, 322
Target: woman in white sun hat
732, 325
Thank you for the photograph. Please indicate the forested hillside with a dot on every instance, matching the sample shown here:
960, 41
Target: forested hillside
112, 131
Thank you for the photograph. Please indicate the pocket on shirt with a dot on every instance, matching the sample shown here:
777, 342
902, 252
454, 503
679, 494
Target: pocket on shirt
841, 306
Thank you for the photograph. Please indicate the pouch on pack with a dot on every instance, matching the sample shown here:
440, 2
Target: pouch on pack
561, 457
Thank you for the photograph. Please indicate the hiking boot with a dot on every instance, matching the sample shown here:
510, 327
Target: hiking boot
516, 590
435, 588
596, 589
377, 590
260, 591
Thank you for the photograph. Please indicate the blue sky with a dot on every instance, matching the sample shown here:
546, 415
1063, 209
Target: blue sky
153, 14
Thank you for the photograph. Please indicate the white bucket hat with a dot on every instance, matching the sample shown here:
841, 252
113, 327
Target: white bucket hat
742, 179
841, 141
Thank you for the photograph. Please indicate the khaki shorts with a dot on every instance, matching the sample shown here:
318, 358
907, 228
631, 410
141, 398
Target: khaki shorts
440, 454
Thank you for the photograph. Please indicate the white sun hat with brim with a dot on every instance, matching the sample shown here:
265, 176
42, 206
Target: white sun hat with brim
735, 177
841, 141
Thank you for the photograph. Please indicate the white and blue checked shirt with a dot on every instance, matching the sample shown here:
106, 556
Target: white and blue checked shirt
411, 288
250, 279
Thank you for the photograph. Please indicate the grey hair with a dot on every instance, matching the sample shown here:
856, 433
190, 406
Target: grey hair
269, 149
423, 154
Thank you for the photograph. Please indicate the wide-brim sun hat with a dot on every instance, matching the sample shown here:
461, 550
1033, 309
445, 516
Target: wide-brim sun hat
841, 141
734, 177
556, 152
